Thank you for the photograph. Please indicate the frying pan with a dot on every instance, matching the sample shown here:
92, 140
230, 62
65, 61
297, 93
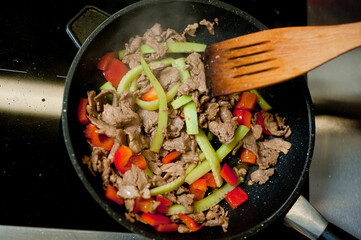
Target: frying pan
290, 99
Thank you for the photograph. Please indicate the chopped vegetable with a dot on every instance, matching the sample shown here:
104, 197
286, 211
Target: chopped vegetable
260, 121
222, 152
211, 156
163, 110
168, 227
121, 54
154, 105
198, 188
174, 185
191, 224
155, 219
135, 72
101, 140
182, 100
105, 60
121, 158
142, 205
247, 156
176, 47
82, 112
247, 101
244, 117
115, 71
164, 204
175, 209
191, 119
180, 64
236, 197
210, 180
111, 193
170, 157
214, 198
150, 95
261, 101
90, 128
137, 160
229, 175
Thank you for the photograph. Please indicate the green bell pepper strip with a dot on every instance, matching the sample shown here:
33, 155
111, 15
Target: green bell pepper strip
191, 118
214, 198
135, 72
212, 157
182, 100
176, 47
222, 152
154, 105
180, 64
261, 101
163, 109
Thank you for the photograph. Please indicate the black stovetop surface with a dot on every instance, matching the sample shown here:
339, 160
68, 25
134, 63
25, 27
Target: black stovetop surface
39, 187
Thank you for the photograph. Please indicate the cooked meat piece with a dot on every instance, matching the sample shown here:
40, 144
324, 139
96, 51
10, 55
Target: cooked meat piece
135, 184
249, 142
91, 107
261, 176
278, 144
181, 144
170, 35
257, 131
187, 201
224, 127
267, 156
198, 77
137, 141
276, 127
149, 119
183, 228
209, 26
119, 116
191, 29
175, 126
217, 216
174, 168
168, 77
190, 157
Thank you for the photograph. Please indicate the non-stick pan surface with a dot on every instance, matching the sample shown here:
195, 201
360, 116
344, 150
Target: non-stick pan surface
290, 99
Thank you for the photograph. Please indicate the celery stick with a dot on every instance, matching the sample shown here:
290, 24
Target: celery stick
191, 119
214, 198
222, 152
211, 156
181, 101
163, 110
176, 209
180, 64
169, 187
154, 105
261, 101
177, 47
121, 54
107, 86
133, 85
134, 73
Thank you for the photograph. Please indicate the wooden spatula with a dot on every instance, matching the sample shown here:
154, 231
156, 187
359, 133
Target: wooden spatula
272, 56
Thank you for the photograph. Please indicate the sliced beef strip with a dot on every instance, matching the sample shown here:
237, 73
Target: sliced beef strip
209, 25
261, 176
137, 141
168, 77
135, 184
224, 126
191, 29
175, 126
276, 126
217, 216
267, 156
183, 144
198, 78
278, 144
149, 119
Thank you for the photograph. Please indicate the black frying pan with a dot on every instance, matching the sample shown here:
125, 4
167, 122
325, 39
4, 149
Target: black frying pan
290, 99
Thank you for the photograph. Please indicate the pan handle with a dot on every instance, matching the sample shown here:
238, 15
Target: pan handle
84, 23
304, 218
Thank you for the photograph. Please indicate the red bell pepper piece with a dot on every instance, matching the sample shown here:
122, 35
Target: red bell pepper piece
121, 158
260, 121
142, 205
155, 219
105, 60
137, 160
236, 197
170, 157
168, 227
229, 175
115, 71
191, 224
150, 95
98, 139
247, 156
82, 113
164, 204
198, 188
244, 117
209, 177
111, 193
90, 128
247, 101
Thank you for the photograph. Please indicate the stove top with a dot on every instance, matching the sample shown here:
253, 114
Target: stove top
39, 185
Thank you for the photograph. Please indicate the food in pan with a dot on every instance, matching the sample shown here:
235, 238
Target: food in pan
160, 142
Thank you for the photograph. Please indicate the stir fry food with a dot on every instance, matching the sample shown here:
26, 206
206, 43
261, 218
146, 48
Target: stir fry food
159, 141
